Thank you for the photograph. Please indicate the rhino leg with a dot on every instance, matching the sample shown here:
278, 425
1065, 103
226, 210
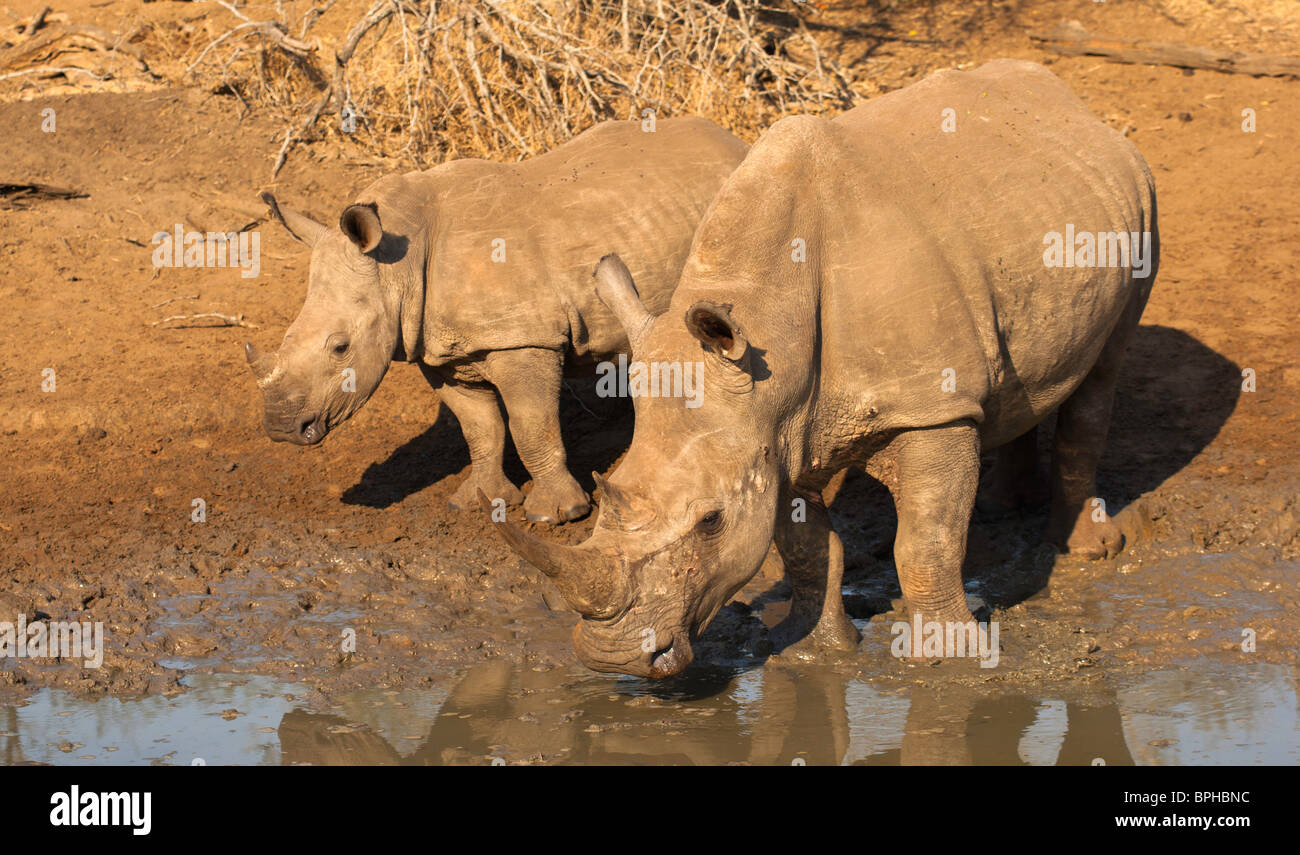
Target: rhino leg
479, 412
1012, 482
936, 474
1078, 524
814, 561
529, 380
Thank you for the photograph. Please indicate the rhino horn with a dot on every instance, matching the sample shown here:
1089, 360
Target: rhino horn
618, 292
593, 584
301, 226
620, 507
260, 364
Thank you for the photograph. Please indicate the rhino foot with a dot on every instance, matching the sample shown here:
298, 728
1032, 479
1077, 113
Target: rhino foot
466, 497
556, 500
1086, 537
794, 640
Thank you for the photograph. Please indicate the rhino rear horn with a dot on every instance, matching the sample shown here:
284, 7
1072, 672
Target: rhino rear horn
622, 511
618, 292
301, 226
594, 584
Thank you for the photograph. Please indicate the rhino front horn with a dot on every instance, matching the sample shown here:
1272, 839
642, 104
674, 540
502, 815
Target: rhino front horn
593, 584
256, 360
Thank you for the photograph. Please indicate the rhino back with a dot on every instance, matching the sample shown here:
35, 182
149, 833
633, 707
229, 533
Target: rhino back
513, 245
925, 251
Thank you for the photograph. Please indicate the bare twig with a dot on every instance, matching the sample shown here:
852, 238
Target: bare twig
38, 20
51, 70
284, 153
1069, 38
226, 320
336, 89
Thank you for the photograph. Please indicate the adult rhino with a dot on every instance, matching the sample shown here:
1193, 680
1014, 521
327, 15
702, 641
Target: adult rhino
868, 291
479, 272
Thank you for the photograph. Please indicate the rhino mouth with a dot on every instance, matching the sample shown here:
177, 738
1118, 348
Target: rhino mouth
671, 660
618, 653
312, 432
302, 431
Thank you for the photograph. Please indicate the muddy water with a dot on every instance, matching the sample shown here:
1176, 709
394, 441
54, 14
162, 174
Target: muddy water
496, 713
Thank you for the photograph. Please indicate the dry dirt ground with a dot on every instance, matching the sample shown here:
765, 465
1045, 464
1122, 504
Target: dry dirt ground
99, 473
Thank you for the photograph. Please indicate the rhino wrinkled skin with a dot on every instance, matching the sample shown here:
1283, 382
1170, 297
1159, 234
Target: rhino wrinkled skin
866, 291
480, 272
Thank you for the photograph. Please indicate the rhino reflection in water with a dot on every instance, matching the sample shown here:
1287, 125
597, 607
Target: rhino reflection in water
865, 291
770, 716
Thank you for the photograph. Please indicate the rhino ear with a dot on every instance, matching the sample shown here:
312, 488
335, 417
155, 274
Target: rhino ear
361, 225
302, 227
711, 323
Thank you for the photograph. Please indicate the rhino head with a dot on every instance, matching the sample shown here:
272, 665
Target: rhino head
686, 518
338, 349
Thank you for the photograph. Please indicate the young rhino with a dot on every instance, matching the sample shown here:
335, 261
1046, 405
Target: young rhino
868, 291
478, 271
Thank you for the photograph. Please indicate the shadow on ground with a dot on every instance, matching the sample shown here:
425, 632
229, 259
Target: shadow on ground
1173, 398
596, 433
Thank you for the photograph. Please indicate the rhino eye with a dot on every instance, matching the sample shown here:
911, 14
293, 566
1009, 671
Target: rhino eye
341, 348
710, 523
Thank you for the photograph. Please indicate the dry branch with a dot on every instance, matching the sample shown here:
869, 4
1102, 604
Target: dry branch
54, 41
20, 195
336, 88
1069, 38
226, 320
37, 21
273, 31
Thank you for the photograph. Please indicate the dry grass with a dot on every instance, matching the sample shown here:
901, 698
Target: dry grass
422, 82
